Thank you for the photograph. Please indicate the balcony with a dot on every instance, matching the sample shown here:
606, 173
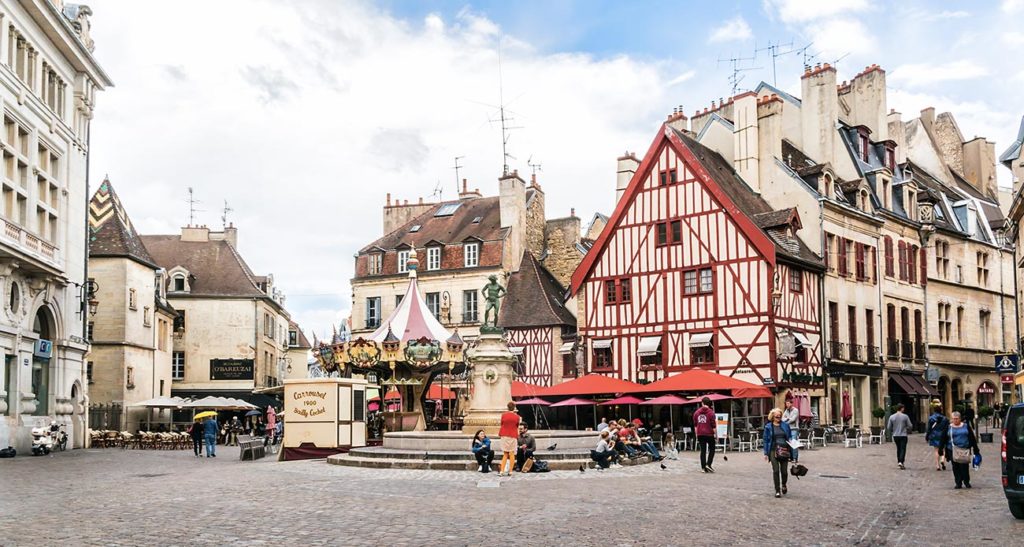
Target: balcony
908, 350
29, 244
835, 350
919, 351
856, 352
893, 349
873, 354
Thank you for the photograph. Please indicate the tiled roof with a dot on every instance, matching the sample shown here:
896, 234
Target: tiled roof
1013, 152
454, 228
111, 233
535, 298
215, 267
302, 341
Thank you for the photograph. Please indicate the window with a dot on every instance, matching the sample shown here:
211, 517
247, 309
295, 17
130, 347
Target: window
293, 338
147, 321
373, 263
905, 328
702, 349
662, 233
942, 259
918, 333
625, 290
89, 330
568, 364
859, 261
833, 328
676, 230
889, 269
471, 254
841, 259
869, 338
912, 263
851, 320
873, 264
268, 325
706, 280
959, 324
403, 261
923, 263
88, 372
667, 177
902, 254
865, 146
690, 282
178, 365
982, 269
133, 303
829, 245
890, 158
469, 306
796, 280
602, 355
415, 228
434, 258
669, 232
433, 300
983, 323
358, 405
373, 312
651, 357
448, 209
179, 283
398, 299
610, 293
618, 291
130, 378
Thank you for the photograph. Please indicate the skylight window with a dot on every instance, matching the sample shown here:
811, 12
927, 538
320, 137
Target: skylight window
415, 228
447, 210
476, 220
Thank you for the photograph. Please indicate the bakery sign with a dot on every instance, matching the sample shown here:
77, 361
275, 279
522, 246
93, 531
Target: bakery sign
231, 369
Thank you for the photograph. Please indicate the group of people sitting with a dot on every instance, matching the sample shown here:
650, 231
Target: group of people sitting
621, 439
526, 445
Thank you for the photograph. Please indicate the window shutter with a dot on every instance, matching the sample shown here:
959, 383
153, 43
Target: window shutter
828, 261
924, 266
912, 263
889, 270
902, 255
860, 260
843, 266
873, 271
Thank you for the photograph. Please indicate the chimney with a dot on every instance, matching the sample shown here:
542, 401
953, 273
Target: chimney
769, 136
195, 233
867, 100
468, 194
677, 120
744, 137
898, 134
398, 212
231, 235
980, 166
928, 118
626, 169
819, 112
512, 200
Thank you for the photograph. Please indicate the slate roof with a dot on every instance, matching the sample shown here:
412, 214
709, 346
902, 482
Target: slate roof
215, 267
302, 341
534, 299
1013, 152
451, 229
750, 203
111, 233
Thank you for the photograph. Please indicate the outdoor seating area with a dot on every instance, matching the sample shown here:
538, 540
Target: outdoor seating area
143, 440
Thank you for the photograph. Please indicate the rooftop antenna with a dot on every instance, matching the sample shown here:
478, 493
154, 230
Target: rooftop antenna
534, 167
735, 78
808, 58
506, 130
192, 202
457, 179
836, 62
438, 191
773, 50
224, 214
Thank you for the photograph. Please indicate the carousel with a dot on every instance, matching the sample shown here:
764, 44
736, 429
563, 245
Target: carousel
408, 353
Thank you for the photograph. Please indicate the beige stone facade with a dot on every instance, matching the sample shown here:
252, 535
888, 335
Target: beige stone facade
48, 85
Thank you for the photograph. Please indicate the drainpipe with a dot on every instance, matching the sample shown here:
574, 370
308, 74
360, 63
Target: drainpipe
1016, 341
822, 306
926, 232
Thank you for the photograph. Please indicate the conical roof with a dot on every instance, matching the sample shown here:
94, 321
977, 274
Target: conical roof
411, 320
111, 233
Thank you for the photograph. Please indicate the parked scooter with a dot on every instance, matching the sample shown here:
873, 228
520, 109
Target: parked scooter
42, 442
59, 436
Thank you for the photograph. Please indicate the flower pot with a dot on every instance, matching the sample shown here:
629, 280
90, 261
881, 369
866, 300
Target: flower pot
986, 437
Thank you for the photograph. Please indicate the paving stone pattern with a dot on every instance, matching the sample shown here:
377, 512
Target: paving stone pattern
851, 497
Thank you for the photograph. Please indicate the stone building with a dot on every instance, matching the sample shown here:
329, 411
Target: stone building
460, 244
48, 85
130, 327
231, 334
1012, 159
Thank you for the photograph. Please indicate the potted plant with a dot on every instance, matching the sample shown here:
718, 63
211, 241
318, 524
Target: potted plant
879, 414
984, 413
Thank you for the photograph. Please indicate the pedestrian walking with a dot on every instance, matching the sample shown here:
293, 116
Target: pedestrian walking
196, 433
961, 447
704, 427
509, 435
937, 423
482, 451
777, 449
899, 425
792, 418
210, 436
968, 414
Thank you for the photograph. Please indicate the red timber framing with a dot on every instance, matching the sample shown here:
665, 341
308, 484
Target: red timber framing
538, 353
716, 234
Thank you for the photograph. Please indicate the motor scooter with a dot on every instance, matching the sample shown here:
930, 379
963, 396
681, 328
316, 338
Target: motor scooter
59, 436
42, 442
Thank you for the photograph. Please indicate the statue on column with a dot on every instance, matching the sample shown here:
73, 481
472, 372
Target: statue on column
493, 293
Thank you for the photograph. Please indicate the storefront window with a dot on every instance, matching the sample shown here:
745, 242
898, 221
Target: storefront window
10, 367
41, 385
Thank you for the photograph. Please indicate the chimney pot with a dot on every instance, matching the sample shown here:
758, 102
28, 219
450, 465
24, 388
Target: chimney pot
463, 185
572, 212
826, 65
389, 199
421, 201
817, 66
406, 202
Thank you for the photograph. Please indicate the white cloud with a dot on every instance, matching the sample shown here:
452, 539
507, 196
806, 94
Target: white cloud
1013, 38
1012, 6
924, 74
946, 14
304, 115
735, 29
688, 75
802, 11
835, 38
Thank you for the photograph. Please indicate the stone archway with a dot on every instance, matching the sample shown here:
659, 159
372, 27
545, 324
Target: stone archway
957, 393
944, 394
79, 416
44, 325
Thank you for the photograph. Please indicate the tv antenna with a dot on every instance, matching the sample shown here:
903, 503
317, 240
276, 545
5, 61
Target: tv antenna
224, 214
807, 57
736, 77
438, 191
457, 179
506, 130
773, 50
534, 167
192, 202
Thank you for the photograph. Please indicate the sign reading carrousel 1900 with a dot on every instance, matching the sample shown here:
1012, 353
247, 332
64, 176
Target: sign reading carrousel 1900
231, 369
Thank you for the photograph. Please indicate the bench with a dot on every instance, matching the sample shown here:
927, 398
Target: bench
251, 448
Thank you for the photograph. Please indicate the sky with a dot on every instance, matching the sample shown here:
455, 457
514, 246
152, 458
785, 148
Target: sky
302, 115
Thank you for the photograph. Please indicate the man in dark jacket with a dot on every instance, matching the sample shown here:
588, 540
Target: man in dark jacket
196, 432
527, 446
704, 426
210, 429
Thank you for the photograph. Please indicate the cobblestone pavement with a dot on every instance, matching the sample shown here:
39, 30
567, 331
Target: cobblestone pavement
850, 497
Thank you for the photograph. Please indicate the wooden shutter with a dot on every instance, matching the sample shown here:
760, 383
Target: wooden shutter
843, 266
889, 270
924, 266
912, 263
873, 267
828, 261
901, 253
859, 247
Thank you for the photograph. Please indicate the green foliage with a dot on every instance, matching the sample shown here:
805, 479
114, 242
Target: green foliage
986, 412
878, 412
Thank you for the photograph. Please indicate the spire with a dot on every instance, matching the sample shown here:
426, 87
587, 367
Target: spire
111, 233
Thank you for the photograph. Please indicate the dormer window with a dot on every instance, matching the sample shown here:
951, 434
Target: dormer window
910, 202
403, 261
434, 258
890, 156
373, 263
865, 143
827, 184
864, 200
179, 283
885, 183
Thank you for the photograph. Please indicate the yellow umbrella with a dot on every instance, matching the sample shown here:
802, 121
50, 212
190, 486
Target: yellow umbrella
206, 414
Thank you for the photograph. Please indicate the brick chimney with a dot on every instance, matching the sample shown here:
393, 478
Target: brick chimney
627, 165
397, 214
745, 139
512, 200
819, 112
769, 136
466, 193
677, 119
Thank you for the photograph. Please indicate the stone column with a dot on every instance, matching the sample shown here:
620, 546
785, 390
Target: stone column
491, 363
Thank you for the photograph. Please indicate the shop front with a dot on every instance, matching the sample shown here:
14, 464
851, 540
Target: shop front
853, 390
987, 394
912, 391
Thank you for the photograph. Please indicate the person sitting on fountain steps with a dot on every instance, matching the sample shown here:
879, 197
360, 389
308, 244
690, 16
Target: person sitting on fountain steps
527, 446
482, 451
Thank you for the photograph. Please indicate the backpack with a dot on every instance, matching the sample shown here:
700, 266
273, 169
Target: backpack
8, 452
540, 466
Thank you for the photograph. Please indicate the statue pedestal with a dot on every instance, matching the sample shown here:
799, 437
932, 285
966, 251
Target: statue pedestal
491, 363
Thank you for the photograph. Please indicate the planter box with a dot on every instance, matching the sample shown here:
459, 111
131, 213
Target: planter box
986, 437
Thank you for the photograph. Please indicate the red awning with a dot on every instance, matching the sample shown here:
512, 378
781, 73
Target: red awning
667, 400
591, 384
522, 389
703, 381
438, 392
624, 400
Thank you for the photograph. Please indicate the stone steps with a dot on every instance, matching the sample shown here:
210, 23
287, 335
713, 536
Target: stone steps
382, 458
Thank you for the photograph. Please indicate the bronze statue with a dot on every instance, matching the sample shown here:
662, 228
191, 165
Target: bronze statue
493, 292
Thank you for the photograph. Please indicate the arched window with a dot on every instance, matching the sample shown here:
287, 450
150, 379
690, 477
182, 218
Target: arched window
45, 328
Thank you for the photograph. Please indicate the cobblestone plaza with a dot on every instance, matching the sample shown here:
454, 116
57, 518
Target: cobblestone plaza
852, 496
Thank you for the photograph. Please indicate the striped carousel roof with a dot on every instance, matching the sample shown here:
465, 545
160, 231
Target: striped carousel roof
411, 320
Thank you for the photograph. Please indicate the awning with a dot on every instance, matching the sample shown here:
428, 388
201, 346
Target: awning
602, 344
903, 384
801, 339
591, 384
703, 381
649, 345
566, 347
516, 350
701, 340
913, 384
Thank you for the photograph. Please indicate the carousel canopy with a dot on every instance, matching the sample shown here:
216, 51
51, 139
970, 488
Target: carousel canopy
411, 320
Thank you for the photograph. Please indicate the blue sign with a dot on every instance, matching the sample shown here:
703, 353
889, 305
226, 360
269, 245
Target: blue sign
43, 349
1006, 363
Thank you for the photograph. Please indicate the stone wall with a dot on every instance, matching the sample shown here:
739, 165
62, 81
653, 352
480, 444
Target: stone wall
535, 220
948, 139
562, 235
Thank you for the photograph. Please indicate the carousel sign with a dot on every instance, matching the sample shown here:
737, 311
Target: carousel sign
422, 353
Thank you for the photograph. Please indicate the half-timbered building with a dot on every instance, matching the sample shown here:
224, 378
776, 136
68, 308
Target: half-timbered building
694, 269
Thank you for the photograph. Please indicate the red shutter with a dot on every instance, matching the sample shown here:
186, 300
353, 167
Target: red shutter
924, 266
873, 271
843, 266
860, 261
902, 255
828, 261
888, 257
912, 263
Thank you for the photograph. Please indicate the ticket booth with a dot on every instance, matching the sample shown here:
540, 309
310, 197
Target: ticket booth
323, 416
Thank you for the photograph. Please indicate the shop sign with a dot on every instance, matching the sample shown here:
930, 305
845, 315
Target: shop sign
231, 369
932, 374
986, 388
310, 403
1006, 362
722, 425
1006, 379
43, 349
768, 381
